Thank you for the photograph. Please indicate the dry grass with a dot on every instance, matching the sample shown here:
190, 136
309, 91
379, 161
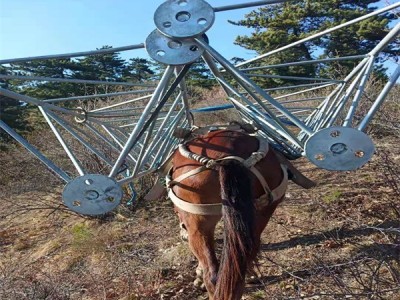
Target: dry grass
340, 240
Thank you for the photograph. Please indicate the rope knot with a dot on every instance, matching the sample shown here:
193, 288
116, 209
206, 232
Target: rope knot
211, 164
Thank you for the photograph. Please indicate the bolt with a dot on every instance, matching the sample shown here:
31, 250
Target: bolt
359, 154
91, 195
339, 148
335, 133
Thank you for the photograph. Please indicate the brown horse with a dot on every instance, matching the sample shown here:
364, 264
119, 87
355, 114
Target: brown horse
236, 176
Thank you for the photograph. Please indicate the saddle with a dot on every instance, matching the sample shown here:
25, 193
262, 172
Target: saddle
268, 198
158, 190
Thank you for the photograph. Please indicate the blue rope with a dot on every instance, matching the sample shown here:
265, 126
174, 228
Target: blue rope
132, 190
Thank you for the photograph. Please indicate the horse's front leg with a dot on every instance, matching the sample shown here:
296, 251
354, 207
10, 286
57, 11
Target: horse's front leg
200, 231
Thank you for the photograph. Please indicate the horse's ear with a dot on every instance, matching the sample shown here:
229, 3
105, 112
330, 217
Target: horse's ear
294, 174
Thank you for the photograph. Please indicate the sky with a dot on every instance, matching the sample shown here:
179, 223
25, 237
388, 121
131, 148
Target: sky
43, 27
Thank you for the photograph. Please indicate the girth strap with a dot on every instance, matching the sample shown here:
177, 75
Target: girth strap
197, 209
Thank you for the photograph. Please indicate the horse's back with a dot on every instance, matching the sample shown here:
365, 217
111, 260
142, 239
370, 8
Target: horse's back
217, 145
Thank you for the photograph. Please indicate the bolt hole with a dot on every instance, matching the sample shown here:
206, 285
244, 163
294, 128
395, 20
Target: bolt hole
202, 21
161, 53
76, 203
320, 157
110, 199
174, 44
167, 24
335, 133
183, 16
193, 48
89, 181
359, 154
182, 2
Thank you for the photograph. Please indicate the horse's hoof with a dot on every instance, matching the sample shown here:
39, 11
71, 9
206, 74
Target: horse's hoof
184, 235
253, 280
199, 272
198, 283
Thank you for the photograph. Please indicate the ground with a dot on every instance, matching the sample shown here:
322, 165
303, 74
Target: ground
339, 240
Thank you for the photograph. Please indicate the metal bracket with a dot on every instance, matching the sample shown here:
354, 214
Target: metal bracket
92, 194
339, 148
172, 51
184, 18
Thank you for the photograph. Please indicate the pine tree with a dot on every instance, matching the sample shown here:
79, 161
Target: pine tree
105, 67
53, 68
138, 70
12, 112
278, 25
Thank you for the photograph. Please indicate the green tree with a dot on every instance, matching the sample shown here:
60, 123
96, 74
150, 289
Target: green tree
138, 70
281, 24
52, 68
105, 67
12, 112
200, 75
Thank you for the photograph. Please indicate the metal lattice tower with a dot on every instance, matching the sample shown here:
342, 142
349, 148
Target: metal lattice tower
138, 132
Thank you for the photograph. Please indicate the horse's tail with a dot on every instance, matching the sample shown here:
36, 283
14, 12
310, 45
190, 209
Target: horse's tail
238, 214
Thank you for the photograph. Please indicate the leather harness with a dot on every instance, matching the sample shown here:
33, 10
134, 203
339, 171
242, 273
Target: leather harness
215, 209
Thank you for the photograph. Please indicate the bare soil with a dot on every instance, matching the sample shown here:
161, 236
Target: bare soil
340, 240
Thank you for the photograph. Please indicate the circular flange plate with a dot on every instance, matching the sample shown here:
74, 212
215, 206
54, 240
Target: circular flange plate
339, 149
172, 51
184, 18
92, 194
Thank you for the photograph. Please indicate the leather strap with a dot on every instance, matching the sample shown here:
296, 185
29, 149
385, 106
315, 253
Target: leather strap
274, 195
197, 209
170, 183
215, 209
